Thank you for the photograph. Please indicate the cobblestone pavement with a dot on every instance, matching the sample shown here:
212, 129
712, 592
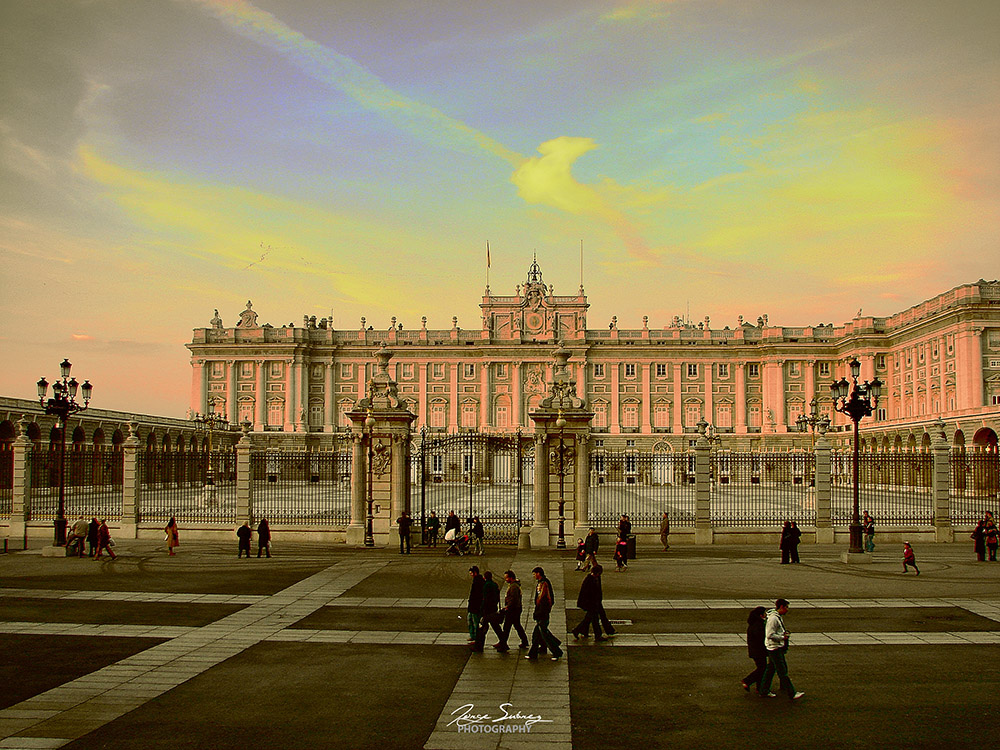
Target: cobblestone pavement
362, 648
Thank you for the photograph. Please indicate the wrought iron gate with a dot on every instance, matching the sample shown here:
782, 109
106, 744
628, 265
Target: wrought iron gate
486, 476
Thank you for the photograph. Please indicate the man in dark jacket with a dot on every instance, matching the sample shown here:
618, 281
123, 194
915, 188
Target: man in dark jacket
475, 607
544, 601
512, 612
491, 613
590, 601
243, 534
404, 522
452, 522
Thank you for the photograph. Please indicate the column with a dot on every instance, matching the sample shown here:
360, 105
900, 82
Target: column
810, 382
645, 407
709, 405
515, 380
130, 483
289, 397
244, 485
330, 393
942, 367
260, 397
824, 525
615, 423
301, 394
423, 403
741, 397
941, 483
540, 528
199, 387
581, 379
453, 400
356, 527
20, 509
484, 396
678, 400
399, 496
928, 379
231, 393
582, 486
888, 395
914, 360
703, 492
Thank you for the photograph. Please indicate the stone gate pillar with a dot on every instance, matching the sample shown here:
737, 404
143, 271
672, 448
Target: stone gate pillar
130, 483
380, 426
703, 487
941, 484
20, 509
244, 478
824, 524
562, 470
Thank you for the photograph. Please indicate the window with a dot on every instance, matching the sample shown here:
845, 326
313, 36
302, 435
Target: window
316, 414
503, 418
218, 369
469, 369
438, 370
630, 371
600, 415
824, 369
317, 372
437, 463
630, 415
661, 370
408, 371
692, 370
469, 415
502, 371
724, 415
723, 370
345, 406
438, 417
692, 414
598, 443
246, 411
598, 370
994, 399
994, 363
753, 415
246, 369
276, 413
880, 414
794, 369
345, 372
753, 370
661, 415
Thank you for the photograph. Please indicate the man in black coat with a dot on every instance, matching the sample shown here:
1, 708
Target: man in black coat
590, 545
475, 608
404, 522
492, 617
590, 601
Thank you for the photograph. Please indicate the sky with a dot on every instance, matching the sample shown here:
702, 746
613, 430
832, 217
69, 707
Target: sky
159, 160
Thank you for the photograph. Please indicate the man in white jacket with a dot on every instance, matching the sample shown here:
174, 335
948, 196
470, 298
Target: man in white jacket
776, 641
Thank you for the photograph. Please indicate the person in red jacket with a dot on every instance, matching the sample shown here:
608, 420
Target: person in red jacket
909, 558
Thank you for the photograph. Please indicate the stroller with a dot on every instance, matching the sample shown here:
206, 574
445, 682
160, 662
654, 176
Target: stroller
458, 544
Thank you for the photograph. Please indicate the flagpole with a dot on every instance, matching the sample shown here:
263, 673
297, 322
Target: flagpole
487, 265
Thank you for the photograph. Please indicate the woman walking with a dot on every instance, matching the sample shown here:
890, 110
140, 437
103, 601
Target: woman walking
756, 621
172, 537
104, 541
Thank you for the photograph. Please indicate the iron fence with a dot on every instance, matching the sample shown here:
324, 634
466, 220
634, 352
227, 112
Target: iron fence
477, 475
975, 486
302, 487
92, 482
643, 486
191, 486
6, 478
763, 489
895, 488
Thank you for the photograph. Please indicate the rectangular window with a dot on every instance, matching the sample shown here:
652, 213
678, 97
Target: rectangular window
600, 416
723, 370
661, 415
995, 364
408, 371
995, 399
794, 369
470, 370
692, 370
724, 415
692, 415
469, 412
316, 414
276, 413
345, 372
630, 415
824, 369
598, 370
661, 370
630, 371
502, 371
503, 419
277, 369
438, 370
753, 415
753, 370
880, 414
438, 415
246, 369
246, 411
218, 369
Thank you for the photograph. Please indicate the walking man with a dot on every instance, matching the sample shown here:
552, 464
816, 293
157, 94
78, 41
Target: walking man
776, 642
664, 531
512, 610
491, 613
590, 545
243, 534
263, 538
404, 522
477, 535
433, 526
544, 601
589, 601
475, 608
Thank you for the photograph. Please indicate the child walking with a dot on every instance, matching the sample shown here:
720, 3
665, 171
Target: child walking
909, 558
581, 555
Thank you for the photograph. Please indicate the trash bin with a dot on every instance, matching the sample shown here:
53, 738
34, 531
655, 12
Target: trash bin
630, 546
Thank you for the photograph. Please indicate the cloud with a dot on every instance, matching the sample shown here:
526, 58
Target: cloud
638, 11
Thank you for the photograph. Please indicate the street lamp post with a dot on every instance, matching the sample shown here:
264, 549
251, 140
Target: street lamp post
369, 527
61, 405
812, 420
856, 401
210, 422
561, 540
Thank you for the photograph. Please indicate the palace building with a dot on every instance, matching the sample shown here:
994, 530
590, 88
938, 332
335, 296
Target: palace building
647, 387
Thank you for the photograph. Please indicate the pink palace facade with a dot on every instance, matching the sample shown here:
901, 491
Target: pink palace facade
648, 387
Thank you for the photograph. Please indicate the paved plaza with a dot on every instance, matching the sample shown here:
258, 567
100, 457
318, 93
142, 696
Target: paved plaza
328, 647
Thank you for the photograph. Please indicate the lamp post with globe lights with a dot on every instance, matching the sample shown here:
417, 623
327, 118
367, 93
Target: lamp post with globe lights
856, 401
369, 527
61, 405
